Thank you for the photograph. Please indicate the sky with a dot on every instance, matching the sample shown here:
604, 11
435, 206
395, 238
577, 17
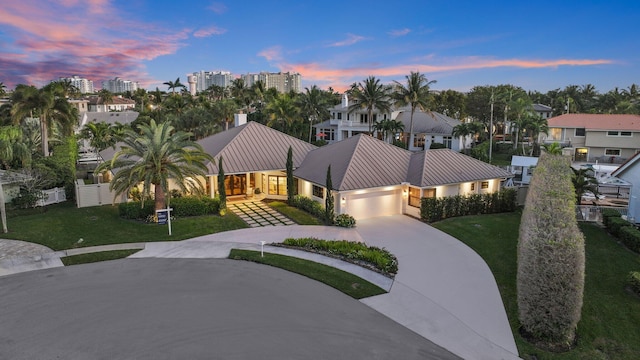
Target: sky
537, 45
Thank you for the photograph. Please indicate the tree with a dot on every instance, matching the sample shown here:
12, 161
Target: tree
583, 181
156, 156
553, 148
462, 130
105, 96
369, 95
415, 94
313, 105
100, 135
449, 102
12, 147
284, 116
222, 191
535, 125
329, 212
551, 258
224, 110
173, 85
3, 89
290, 183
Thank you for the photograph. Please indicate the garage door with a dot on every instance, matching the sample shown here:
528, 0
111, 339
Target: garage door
379, 203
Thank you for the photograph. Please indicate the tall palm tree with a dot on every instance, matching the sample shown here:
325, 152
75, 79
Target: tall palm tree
583, 181
313, 105
283, 115
462, 130
535, 125
415, 94
224, 110
369, 95
105, 96
173, 85
100, 135
155, 156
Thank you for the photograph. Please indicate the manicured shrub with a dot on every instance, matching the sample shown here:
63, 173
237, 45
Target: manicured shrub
380, 259
435, 209
194, 206
551, 257
633, 282
608, 214
309, 205
630, 237
135, 211
345, 220
615, 225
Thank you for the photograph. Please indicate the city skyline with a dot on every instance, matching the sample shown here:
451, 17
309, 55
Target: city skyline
331, 44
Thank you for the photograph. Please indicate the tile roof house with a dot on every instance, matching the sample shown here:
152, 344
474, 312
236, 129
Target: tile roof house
610, 138
369, 176
629, 171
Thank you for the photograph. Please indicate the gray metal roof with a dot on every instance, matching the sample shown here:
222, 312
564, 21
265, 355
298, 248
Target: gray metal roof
253, 147
427, 123
359, 162
122, 117
541, 107
444, 166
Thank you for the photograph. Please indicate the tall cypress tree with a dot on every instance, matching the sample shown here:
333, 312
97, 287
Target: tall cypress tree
329, 213
221, 190
290, 183
551, 256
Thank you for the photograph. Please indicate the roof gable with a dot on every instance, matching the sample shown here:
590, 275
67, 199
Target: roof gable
444, 166
628, 122
630, 163
253, 147
427, 122
359, 162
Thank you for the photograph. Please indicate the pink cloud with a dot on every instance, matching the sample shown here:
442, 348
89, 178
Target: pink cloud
401, 32
272, 54
212, 30
350, 40
218, 8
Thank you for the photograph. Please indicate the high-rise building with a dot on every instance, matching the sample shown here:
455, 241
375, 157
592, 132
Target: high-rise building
283, 82
85, 86
117, 85
204, 79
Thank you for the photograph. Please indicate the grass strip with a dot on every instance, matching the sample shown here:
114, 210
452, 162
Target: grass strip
343, 281
97, 257
300, 217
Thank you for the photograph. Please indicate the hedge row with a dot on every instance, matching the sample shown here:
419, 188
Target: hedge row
309, 205
435, 209
381, 259
622, 229
633, 281
182, 207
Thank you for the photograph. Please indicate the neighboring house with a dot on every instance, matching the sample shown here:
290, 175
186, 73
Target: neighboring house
10, 184
522, 167
117, 103
630, 173
543, 111
111, 118
370, 177
610, 138
428, 127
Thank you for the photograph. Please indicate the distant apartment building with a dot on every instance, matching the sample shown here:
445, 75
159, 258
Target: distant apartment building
283, 82
204, 79
85, 86
117, 85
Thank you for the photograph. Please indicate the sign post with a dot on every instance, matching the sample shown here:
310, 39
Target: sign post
164, 217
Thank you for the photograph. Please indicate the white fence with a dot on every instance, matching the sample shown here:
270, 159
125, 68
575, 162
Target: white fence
52, 196
594, 213
95, 194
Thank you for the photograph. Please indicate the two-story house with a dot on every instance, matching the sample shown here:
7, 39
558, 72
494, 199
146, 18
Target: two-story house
428, 127
610, 138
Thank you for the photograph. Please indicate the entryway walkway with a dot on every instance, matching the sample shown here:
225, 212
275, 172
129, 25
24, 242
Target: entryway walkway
256, 213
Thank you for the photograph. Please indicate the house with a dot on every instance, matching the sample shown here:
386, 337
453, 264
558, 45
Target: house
369, 176
543, 111
117, 103
111, 118
428, 127
629, 171
522, 167
607, 138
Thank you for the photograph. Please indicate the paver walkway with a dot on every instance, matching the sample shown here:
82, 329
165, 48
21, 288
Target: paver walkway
257, 214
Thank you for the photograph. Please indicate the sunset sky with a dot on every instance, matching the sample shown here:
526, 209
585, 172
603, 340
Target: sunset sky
538, 45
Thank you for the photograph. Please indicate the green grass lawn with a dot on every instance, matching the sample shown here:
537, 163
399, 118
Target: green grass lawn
295, 214
610, 324
347, 283
60, 226
97, 256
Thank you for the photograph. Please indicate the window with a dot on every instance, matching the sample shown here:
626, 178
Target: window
484, 185
348, 116
418, 140
556, 134
339, 116
612, 152
473, 186
429, 193
579, 132
414, 197
317, 191
375, 117
277, 185
619, 133
363, 118
612, 133
625, 133
447, 141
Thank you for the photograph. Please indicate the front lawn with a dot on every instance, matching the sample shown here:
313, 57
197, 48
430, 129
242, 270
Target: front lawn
97, 257
299, 216
610, 324
61, 226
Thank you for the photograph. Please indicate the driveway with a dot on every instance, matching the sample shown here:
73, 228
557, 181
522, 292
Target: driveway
192, 309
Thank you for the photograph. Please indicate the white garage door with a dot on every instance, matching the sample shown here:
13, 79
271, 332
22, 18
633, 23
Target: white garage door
379, 203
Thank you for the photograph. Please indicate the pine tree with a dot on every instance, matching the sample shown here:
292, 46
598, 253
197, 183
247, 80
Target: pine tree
329, 214
221, 190
290, 183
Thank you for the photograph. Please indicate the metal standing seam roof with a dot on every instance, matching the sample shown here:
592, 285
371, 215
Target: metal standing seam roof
427, 123
122, 117
601, 122
445, 166
253, 147
359, 162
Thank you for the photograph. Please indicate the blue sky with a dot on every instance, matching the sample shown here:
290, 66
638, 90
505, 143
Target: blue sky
540, 45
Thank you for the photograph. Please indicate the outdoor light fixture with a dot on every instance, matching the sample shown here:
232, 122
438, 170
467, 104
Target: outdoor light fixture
262, 242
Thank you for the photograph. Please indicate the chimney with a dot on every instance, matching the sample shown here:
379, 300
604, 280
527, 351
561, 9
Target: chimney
240, 119
345, 100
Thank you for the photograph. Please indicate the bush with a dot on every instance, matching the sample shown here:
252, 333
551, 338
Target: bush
309, 205
345, 220
380, 259
630, 237
26, 198
607, 214
135, 211
633, 282
435, 209
615, 225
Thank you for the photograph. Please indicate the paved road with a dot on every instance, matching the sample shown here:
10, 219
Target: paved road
192, 309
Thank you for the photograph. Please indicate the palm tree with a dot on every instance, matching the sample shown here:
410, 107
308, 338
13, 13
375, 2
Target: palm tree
224, 110
284, 116
462, 130
583, 181
535, 125
553, 148
141, 95
414, 94
369, 95
313, 105
154, 157
175, 85
105, 96
100, 135
12, 147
